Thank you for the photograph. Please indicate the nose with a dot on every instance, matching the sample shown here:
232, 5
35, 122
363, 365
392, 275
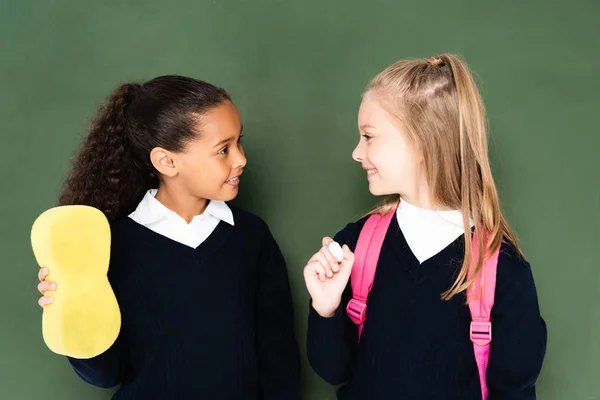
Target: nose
240, 158
358, 154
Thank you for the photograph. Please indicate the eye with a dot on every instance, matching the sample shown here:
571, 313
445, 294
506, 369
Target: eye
240, 139
367, 136
224, 151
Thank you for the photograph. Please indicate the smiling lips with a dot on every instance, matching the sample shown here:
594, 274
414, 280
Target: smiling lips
371, 172
234, 181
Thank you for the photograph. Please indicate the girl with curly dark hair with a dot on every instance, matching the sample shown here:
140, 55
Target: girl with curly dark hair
202, 286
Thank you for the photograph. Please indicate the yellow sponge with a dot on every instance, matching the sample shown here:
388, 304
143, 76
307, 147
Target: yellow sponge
73, 242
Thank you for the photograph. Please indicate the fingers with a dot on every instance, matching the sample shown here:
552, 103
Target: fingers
348, 254
348, 261
335, 266
44, 286
325, 250
326, 240
45, 300
324, 265
315, 268
42, 273
322, 258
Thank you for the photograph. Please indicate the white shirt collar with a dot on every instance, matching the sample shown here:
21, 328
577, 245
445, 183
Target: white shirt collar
427, 232
150, 210
454, 217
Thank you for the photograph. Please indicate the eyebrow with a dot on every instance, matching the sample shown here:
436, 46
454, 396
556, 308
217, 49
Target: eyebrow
367, 126
229, 139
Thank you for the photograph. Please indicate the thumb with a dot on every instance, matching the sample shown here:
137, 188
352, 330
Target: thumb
326, 241
348, 261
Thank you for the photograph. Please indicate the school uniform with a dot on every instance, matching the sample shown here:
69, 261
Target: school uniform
414, 345
206, 309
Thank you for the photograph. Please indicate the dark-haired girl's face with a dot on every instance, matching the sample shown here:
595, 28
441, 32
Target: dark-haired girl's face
210, 166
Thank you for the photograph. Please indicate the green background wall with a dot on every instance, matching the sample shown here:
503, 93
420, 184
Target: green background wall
296, 70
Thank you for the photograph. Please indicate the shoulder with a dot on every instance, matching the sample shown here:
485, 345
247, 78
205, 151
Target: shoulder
248, 221
124, 241
255, 235
123, 231
252, 229
511, 263
129, 240
514, 272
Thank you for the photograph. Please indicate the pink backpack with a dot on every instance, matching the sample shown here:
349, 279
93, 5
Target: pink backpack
366, 256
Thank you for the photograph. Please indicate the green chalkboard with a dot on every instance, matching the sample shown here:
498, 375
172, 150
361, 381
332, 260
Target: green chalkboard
296, 70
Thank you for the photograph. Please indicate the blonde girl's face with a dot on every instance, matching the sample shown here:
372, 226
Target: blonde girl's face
391, 162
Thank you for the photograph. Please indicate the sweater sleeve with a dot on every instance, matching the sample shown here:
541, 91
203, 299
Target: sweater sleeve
519, 331
278, 354
105, 370
112, 367
332, 342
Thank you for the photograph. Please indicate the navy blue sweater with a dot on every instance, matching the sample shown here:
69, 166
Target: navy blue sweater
213, 322
415, 345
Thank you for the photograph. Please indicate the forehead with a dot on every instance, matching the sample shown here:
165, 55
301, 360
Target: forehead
220, 122
372, 113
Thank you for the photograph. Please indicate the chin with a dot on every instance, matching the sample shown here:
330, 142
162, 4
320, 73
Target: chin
229, 195
377, 190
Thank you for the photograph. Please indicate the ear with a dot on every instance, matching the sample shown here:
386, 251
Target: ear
420, 155
163, 161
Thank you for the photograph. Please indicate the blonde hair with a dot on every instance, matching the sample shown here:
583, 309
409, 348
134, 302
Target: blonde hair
437, 101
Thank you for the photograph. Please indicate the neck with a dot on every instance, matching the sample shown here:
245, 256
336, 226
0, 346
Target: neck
186, 206
421, 197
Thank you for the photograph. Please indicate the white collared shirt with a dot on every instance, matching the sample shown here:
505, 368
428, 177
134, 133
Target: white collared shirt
428, 232
155, 216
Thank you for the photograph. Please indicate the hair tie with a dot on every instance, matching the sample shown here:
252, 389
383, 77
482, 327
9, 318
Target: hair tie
436, 61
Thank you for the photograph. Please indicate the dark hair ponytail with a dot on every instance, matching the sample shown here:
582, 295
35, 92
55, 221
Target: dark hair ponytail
113, 171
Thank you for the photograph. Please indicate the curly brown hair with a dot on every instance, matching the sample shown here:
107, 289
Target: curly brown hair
112, 170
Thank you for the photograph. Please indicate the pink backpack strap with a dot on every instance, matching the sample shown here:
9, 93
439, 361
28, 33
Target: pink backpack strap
481, 325
366, 257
